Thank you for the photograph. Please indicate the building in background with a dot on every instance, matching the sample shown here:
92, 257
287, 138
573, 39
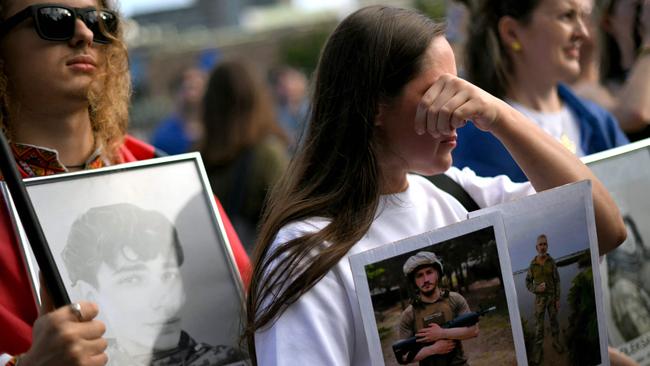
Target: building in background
270, 33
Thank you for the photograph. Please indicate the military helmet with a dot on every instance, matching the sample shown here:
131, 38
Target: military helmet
422, 259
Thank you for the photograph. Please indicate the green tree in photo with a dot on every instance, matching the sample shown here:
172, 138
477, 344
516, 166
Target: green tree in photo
582, 335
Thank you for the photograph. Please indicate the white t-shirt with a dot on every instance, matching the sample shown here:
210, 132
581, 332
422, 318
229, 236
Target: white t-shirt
324, 327
562, 125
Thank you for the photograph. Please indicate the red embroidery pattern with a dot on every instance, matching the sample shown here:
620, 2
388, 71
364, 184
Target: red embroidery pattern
37, 162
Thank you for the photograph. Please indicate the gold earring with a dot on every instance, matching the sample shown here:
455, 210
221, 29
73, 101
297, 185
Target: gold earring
516, 46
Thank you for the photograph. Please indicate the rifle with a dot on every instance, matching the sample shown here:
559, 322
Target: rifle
410, 347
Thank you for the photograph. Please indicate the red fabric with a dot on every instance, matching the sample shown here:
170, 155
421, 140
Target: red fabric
18, 309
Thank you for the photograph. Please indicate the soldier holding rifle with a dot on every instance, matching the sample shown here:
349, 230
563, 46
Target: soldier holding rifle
431, 308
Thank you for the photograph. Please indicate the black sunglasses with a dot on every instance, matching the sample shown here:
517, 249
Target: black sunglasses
54, 22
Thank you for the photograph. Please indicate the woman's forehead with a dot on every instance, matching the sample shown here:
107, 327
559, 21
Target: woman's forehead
440, 56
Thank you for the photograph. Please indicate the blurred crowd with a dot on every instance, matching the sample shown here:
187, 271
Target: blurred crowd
580, 70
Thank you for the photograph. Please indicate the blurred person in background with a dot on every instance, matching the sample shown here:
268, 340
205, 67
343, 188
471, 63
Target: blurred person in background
244, 148
616, 71
290, 88
521, 51
179, 132
64, 93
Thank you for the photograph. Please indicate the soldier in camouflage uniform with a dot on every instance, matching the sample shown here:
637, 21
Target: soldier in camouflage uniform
543, 280
129, 260
431, 308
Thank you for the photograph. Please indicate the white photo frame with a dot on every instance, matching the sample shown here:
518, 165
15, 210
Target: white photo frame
565, 215
164, 195
440, 240
625, 172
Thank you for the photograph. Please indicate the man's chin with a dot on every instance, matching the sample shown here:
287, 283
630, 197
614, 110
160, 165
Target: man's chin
428, 293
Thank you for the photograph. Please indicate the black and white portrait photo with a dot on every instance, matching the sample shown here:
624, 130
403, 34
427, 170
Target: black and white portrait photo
144, 242
625, 172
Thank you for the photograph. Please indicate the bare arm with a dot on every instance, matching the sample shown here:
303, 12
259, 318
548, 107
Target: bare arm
544, 160
434, 332
440, 347
462, 333
632, 108
632, 104
548, 164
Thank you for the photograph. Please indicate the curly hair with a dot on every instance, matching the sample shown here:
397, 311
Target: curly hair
108, 97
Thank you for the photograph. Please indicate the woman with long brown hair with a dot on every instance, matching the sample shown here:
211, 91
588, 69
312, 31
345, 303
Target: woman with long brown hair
386, 103
244, 148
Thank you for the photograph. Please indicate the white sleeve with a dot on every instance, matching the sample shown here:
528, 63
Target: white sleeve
489, 191
317, 330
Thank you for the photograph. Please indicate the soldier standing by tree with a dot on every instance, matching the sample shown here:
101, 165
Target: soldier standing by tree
543, 280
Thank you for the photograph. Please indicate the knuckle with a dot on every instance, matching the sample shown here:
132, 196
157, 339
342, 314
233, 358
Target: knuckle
90, 308
52, 320
74, 353
458, 114
103, 345
431, 114
101, 326
102, 359
67, 336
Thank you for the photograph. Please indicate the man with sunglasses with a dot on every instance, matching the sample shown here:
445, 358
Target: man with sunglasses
58, 22
64, 88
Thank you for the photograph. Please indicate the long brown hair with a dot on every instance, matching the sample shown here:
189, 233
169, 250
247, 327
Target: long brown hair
366, 61
238, 112
108, 97
487, 62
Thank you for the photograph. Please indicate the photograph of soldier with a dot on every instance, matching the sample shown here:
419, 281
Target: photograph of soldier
443, 304
432, 308
552, 245
625, 173
128, 260
543, 280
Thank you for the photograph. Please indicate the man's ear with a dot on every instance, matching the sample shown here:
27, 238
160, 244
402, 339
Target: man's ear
508, 28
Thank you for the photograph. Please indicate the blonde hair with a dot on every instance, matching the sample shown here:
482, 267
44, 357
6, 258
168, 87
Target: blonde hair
108, 97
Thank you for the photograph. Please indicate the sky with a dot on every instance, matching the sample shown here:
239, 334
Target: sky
130, 7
